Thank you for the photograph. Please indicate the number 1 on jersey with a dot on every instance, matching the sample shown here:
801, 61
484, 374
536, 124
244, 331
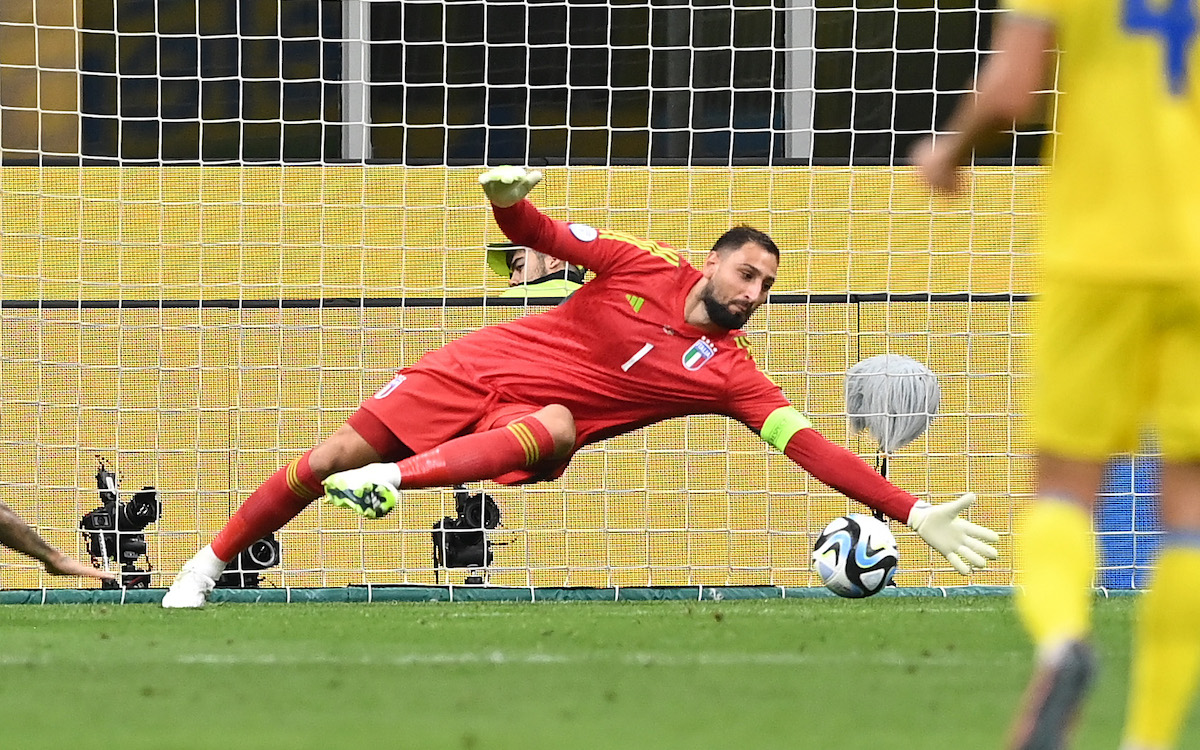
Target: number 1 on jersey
641, 353
1175, 24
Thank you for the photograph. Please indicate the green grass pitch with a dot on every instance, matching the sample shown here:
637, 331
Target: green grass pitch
809, 673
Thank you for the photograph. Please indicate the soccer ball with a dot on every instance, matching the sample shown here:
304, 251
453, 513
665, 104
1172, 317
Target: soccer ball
856, 556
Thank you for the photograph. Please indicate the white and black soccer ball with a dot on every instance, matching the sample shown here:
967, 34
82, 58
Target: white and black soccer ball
856, 556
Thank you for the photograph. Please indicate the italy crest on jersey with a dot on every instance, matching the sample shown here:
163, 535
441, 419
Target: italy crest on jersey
698, 353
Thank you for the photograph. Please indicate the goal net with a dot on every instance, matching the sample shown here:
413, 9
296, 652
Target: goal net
225, 224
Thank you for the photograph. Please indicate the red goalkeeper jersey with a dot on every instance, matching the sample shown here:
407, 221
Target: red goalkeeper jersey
618, 352
619, 355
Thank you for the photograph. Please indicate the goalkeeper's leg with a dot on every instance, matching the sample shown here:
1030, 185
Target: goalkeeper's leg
277, 501
1057, 559
351, 480
1166, 648
543, 436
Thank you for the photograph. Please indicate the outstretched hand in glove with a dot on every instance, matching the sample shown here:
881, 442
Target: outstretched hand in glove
963, 543
506, 186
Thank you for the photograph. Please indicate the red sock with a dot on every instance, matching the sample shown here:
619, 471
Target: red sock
277, 501
485, 455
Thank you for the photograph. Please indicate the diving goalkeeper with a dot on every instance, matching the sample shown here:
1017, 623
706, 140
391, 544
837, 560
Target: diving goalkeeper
650, 338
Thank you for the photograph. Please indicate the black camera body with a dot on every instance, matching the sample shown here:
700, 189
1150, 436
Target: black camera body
114, 530
462, 541
244, 571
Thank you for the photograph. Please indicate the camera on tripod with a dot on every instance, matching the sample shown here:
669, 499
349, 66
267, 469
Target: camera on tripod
462, 541
114, 530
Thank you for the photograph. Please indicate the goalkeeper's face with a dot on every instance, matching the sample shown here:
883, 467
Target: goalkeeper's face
738, 281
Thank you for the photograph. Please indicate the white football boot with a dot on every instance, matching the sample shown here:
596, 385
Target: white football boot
191, 587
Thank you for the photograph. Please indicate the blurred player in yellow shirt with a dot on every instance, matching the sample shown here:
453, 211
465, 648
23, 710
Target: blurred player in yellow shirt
1118, 345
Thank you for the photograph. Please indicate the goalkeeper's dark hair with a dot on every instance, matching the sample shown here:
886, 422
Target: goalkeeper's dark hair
740, 235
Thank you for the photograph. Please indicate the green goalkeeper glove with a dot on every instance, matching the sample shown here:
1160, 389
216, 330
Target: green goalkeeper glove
961, 542
506, 186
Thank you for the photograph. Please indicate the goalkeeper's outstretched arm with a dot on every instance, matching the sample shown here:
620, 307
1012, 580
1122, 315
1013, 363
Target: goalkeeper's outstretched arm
523, 224
963, 543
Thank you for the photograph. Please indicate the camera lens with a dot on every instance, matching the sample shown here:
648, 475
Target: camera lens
141, 510
472, 513
99, 519
263, 553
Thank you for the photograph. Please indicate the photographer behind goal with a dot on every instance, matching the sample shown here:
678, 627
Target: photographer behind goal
532, 274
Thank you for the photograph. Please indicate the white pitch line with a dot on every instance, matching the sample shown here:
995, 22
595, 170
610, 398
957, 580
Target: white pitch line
541, 658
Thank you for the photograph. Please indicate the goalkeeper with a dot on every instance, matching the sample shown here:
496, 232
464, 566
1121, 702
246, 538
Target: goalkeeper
650, 338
